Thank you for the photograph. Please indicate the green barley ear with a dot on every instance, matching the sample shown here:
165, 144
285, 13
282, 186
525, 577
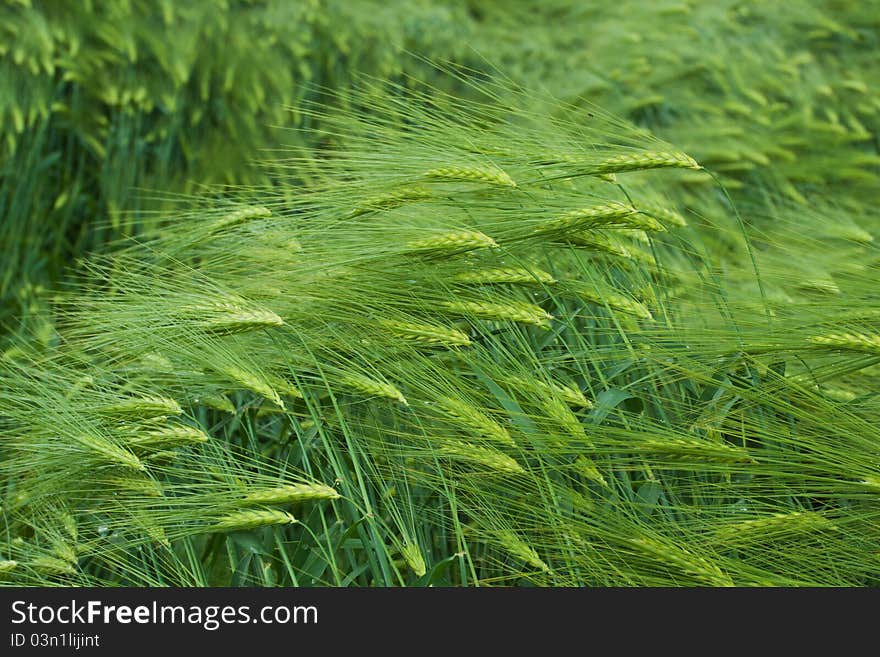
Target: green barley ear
167, 438
772, 527
592, 217
290, 494
52, 566
7, 565
426, 334
246, 520
569, 394
472, 419
689, 449
500, 275
588, 469
491, 459
452, 242
848, 342
614, 300
141, 407
253, 382
646, 160
471, 175
413, 557
371, 387
702, 570
521, 550
666, 216
112, 453
596, 241
511, 311
392, 199
137, 484
215, 401
231, 317
239, 216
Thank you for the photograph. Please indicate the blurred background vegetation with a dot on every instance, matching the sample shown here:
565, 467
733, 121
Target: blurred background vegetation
103, 103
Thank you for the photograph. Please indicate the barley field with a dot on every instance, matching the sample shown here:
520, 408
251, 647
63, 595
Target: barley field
455, 293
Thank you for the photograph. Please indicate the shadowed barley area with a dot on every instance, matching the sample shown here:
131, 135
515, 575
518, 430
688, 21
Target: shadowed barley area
412, 293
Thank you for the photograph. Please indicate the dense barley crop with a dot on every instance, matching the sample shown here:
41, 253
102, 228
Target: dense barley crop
606, 316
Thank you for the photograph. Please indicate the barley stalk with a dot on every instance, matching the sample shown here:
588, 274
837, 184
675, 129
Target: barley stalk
7, 564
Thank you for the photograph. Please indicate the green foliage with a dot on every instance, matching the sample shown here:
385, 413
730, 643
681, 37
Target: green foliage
102, 101
467, 332
780, 95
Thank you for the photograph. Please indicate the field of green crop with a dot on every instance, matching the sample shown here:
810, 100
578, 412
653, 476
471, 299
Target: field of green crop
440, 293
